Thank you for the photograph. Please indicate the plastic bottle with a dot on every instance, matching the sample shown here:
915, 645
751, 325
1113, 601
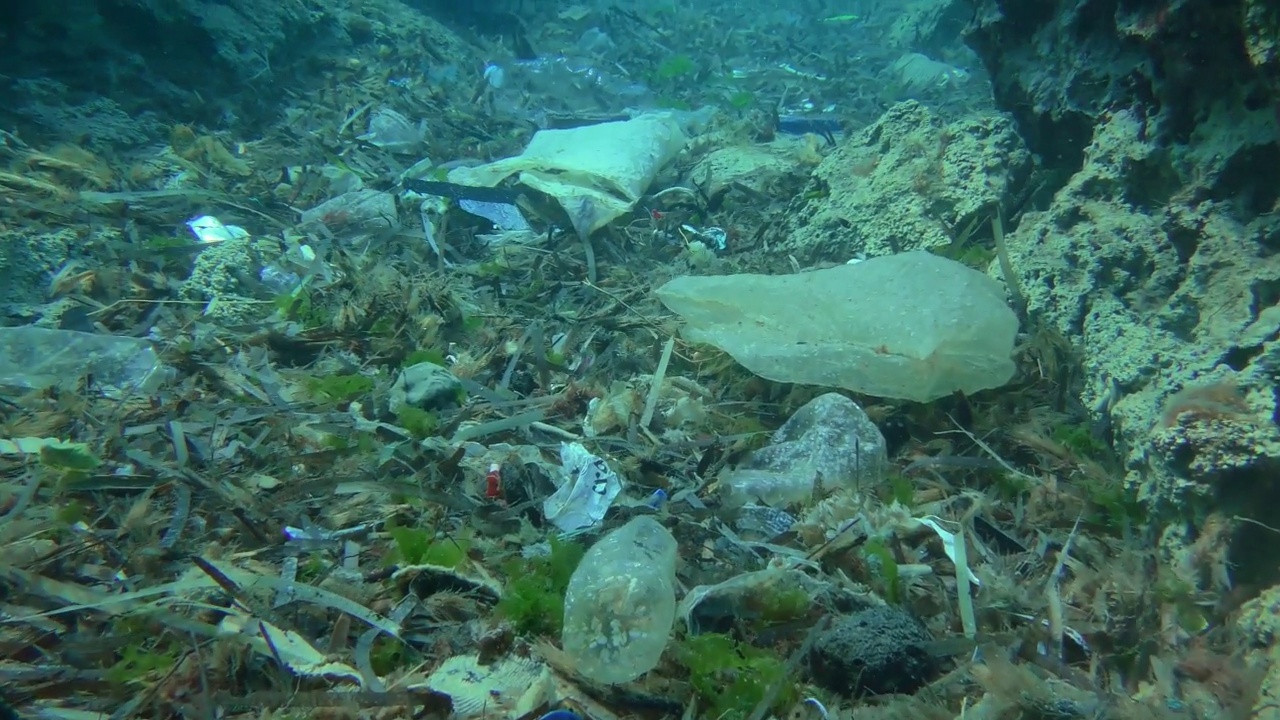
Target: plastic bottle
621, 603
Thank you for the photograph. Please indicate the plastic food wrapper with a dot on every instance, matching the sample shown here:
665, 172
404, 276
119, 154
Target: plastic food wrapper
394, 133
595, 172
587, 492
358, 210
35, 358
765, 521
209, 230
504, 216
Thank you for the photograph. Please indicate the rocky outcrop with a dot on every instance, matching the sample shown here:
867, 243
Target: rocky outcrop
1178, 66
1155, 128
910, 181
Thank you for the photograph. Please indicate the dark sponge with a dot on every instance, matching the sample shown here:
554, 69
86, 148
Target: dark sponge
876, 651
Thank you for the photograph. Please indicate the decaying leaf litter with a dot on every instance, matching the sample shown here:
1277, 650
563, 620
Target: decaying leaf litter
275, 529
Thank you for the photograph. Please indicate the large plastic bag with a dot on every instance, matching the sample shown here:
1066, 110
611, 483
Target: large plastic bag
595, 172
913, 326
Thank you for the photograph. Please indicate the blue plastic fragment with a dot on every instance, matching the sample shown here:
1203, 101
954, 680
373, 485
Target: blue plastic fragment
816, 704
657, 499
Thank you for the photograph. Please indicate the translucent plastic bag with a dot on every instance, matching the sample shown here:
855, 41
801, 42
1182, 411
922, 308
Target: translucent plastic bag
35, 358
913, 326
563, 85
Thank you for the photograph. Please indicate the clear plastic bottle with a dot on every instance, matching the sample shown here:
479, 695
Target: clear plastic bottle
621, 603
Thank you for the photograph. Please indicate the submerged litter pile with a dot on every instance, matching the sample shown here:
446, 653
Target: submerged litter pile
439, 492
320, 425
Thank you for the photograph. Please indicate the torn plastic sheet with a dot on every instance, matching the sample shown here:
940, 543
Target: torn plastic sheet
365, 210
504, 216
458, 193
705, 606
948, 542
497, 205
821, 125
364, 646
250, 581
209, 230
794, 554
37, 358
768, 522
819, 708
47, 448
394, 133
431, 209
1073, 635
587, 492
519, 238
567, 84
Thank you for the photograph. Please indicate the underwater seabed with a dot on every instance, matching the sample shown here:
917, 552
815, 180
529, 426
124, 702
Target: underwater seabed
669, 372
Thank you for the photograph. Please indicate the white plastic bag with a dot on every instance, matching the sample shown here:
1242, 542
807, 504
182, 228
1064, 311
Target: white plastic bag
595, 172
586, 493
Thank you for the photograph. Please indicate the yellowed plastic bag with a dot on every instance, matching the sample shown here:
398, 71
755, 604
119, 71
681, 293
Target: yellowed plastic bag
595, 172
911, 326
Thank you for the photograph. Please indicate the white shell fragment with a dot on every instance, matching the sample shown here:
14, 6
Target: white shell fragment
302, 659
508, 688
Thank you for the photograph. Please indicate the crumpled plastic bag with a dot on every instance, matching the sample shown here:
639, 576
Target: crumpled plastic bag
585, 495
595, 172
911, 326
394, 133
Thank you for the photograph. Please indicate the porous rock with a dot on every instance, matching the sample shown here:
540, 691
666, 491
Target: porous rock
875, 651
425, 385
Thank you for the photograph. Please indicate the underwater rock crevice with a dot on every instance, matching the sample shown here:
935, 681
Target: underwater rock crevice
1060, 67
